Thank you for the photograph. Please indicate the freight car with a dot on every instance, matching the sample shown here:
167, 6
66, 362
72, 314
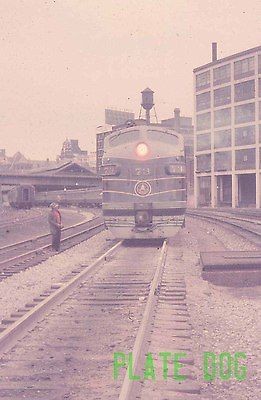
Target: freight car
22, 196
144, 182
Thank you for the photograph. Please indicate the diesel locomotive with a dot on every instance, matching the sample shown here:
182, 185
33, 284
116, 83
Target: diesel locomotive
144, 182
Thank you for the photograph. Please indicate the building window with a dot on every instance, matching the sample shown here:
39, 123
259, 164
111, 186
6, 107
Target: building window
245, 90
204, 184
203, 101
244, 68
100, 144
203, 141
259, 63
222, 96
222, 117
222, 74
245, 159
203, 80
222, 138
223, 161
245, 113
203, 121
245, 135
203, 163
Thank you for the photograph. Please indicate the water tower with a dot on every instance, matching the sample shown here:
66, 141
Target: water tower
147, 102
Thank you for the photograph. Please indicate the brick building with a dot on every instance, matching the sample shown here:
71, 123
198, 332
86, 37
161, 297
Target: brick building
227, 138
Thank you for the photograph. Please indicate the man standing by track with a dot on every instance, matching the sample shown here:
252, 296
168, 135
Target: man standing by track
55, 222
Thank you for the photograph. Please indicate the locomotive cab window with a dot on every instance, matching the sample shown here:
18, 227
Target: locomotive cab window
163, 137
124, 137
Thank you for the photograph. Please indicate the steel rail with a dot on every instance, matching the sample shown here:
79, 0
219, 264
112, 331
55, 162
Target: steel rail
224, 215
225, 220
20, 257
128, 385
10, 335
45, 235
7, 223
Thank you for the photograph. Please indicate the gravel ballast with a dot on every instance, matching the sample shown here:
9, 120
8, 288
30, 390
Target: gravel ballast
21, 288
224, 319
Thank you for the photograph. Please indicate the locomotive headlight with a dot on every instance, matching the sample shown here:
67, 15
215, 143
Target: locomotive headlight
175, 169
142, 149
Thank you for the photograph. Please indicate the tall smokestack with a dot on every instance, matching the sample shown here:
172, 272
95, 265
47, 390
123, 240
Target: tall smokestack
214, 51
177, 118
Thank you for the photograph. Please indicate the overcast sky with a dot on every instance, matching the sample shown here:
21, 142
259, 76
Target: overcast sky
64, 61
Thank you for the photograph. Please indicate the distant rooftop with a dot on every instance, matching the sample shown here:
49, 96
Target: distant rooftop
63, 167
231, 57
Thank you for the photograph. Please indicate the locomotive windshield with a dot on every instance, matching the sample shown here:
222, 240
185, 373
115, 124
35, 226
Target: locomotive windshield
124, 137
163, 137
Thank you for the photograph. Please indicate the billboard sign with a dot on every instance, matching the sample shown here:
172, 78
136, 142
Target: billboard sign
117, 117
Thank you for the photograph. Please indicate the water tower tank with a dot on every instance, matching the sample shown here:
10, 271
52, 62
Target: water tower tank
147, 99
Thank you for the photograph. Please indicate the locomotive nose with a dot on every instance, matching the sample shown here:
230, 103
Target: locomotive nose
142, 218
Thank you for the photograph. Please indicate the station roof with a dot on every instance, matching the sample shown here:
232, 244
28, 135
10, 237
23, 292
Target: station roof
68, 168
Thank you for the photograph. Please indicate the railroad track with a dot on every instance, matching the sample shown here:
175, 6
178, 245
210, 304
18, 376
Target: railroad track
22, 320
6, 223
144, 298
21, 255
248, 228
166, 311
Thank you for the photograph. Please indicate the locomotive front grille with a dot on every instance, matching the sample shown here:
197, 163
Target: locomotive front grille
143, 218
143, 214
